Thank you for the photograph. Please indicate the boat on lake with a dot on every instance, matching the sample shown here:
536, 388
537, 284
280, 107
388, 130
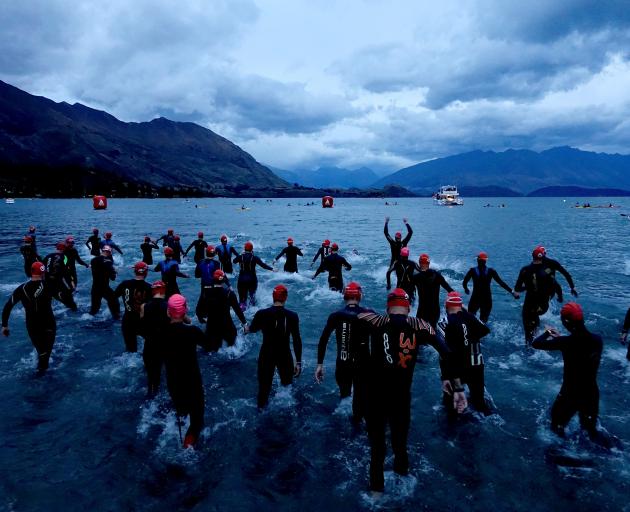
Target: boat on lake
448, 196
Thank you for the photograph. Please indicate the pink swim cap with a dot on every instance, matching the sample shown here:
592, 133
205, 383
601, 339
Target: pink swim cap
177, 306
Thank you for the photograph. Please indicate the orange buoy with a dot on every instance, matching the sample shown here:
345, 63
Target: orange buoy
100, 202
327, 202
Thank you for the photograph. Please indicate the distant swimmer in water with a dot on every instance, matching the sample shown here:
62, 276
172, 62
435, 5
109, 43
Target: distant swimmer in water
225, 251
103, 272
154, 323
397, 243
183, 378
404, 269
482, 276
333, 264
394, 341
322, 252
110, 243
539, 286
291, 253
278, 326
147, 248
462, 333
134, 292
428, 283
247, 279
58, 277
35, 297
72, 258
170, 272
213, 309
200, 246
624, 332
29, 254
353, 351
93, 243
581, 352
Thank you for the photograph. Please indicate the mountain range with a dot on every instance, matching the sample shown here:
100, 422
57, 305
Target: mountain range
334, 177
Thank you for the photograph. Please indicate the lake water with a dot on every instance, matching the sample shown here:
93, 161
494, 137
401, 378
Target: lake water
85, 437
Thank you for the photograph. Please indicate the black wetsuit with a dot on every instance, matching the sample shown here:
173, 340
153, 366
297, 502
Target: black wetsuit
30, 256
94, 245
394, 341
72, 258
321, 254
333, 264
200, 249
214, 309
58, 279
170, 272
225, 252
34, 238
353, 354
462, 333
178, 250
539, 286
579, 393
36, 299
291, 253
396, 245
554, 266
625, 329
167, 240
278, 325
134, 293
154, 324
147, 251
183, 377
481, 298
404, 276
102, 273
247, 279
428, 283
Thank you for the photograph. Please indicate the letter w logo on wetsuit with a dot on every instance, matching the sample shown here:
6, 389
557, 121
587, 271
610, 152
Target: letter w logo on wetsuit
406, 345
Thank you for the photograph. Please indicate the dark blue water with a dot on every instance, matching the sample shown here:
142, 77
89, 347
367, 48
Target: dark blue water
85, 437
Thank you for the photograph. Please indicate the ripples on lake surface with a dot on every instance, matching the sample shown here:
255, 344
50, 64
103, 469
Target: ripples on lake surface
85, 437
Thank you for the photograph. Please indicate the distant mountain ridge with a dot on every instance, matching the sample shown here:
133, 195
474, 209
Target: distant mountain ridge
39, 139
334, 177
522, 171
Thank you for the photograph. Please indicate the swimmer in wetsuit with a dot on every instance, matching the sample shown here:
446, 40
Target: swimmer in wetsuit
278, 326
428, 283
624, 332
154, 322
353, 351
333, 264
183, 378
29, 254
103, 272
247, 279
213, 309
134, 292
167, 240
394, 341
93, 243
322, 252
225, 252
553, 266
36, 298
290, 252
31, 233
110, 243
58, 277
147, 250
404, 269
482, 276
200, 246
170, 272
581, 352
178, 250
72, 258
397, 243
462, 333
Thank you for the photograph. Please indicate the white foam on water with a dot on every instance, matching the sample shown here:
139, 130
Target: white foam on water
626, 270
514, 360
241, 346
323, 294
344, 407
283, 398
9, 288
379, 274
398, 490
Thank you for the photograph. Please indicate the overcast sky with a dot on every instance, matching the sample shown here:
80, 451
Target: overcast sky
304, 83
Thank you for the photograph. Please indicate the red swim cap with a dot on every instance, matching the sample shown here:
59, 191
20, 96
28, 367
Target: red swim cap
290, 241
177, 306
69, 240
398, 297
539, 252
572, 311
424, 259
108, 234
28, 239
280, 293
218, 275
176, 238
147, 238
200, 234
249, 246
334, 247
210, 251
38, 268
453, 299
326, 243
170, 232
404, 252
141, 268
224, 238
95, 231
168, 251
158, 285
482, 256
60, 246
352, 291
398, 234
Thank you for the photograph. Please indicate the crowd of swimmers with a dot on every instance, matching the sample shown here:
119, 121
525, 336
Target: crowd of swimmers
376, 353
